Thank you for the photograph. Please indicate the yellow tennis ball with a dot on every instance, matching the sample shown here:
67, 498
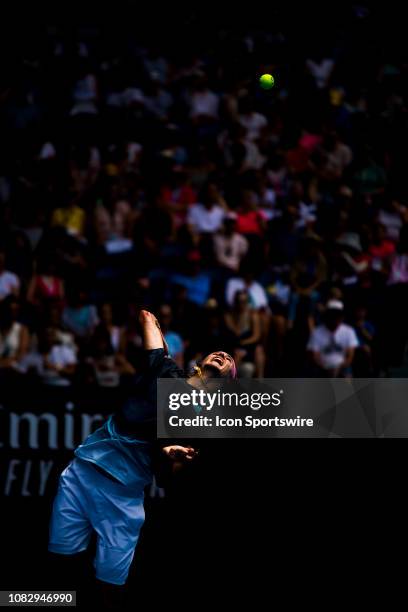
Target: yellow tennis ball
266, 81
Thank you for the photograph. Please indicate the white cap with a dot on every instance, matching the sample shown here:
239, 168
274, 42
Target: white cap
334, 305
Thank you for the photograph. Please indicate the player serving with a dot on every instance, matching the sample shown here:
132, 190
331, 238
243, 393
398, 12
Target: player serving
102, 489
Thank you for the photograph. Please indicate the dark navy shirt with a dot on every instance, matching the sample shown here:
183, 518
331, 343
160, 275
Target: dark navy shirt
123, 446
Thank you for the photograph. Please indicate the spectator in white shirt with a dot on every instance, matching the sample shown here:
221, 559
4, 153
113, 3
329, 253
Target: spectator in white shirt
332, 344
59, 359
229, 246
253, 122
9, 282
256, 293
207, 217
204, 103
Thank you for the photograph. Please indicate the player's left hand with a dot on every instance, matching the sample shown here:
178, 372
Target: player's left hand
177, 453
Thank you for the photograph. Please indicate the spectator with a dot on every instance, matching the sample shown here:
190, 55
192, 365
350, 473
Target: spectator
230, 247
177, 196
196, 282
320, 67
332, 344
203, 102
399, 261
46, 285
174, 341
392, 216
59, 360
108, 200
336, 157
244, 323
14, 335
211, 333
79, 316
381, 249
253, 122
105, 367
207, 217
158, 101
365, 330
9, 282
351, 262
71, 217
246, 282
116, 333
308, 273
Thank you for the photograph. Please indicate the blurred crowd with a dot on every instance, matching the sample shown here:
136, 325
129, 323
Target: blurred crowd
269, 224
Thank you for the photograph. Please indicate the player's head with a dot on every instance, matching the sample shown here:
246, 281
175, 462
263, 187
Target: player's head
219, 365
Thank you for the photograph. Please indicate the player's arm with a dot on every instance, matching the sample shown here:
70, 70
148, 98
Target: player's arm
152, 335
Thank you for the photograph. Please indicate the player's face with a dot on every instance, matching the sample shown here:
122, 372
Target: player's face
220, 361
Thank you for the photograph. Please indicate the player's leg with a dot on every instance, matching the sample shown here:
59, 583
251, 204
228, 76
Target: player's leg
116, 514
117, 537
70, 528
70, 531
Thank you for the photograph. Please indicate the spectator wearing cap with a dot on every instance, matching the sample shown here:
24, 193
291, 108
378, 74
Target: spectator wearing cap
332, 344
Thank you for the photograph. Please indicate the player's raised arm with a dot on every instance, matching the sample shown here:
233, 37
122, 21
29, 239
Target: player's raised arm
152, 334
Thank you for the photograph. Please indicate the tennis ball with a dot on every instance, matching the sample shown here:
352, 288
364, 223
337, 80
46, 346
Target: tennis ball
266, 81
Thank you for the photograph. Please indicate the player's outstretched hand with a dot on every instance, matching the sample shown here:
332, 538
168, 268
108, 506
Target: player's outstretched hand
177, 453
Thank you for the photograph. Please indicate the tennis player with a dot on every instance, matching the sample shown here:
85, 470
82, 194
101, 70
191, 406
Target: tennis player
102, 489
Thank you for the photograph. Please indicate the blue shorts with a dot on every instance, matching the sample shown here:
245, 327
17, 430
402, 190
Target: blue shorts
88, 501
